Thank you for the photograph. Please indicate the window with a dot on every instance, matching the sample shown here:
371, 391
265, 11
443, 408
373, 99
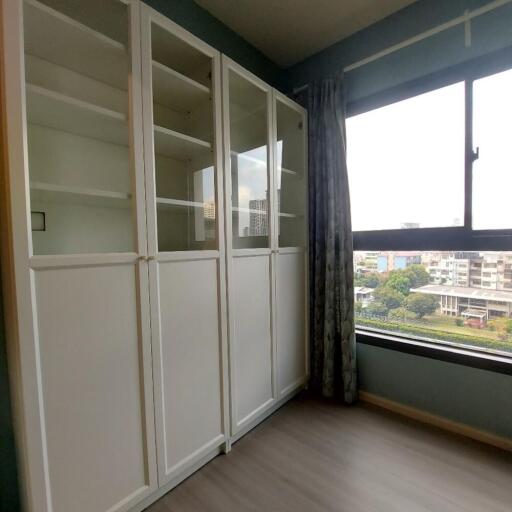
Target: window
415, 302
492, 172
429, 179
402, 161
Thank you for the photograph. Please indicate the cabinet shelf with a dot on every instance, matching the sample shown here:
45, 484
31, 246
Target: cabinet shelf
290, 215
249, 210
53, 193
172, 203
289, 172
244, 156
177, 91
57, 38
60, 112
178, 145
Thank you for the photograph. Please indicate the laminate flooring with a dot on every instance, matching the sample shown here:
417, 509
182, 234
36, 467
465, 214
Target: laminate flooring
314, 455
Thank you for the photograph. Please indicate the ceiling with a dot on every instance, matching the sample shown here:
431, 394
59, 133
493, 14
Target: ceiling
288, 31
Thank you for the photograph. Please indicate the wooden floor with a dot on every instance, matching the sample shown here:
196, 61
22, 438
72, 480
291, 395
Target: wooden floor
315, 456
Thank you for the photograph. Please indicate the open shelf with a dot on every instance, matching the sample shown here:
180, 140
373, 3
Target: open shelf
248, 158
177, 91
249, 210
290, 215
57, 38
60, 112
178, 145
173, 203
49, 192
289, 172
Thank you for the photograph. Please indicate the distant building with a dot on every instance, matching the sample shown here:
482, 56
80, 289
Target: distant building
366, 262
258, 218
363, 295
388, 261
490, 270
470, 302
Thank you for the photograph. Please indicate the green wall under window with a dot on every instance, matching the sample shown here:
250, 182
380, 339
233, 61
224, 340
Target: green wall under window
8, 477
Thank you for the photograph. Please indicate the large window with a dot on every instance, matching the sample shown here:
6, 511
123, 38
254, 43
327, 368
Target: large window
456, 297
430, 181
407, 157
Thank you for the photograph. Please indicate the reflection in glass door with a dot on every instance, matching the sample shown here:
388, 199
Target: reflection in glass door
291, 176
184, 140
250, 195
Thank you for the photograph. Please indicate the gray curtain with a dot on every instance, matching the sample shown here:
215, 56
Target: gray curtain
332, 336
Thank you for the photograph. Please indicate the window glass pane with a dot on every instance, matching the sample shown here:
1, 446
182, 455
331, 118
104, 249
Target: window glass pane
406, 162
185, 173
291, 177
77, 65
249, 171
492, 172
461, 298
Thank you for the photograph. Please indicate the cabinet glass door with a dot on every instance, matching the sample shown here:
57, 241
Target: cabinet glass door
182, 123
81, 155
291, 178
248, 132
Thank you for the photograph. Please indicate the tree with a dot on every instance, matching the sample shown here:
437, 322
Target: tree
502, 326
399, 282
422, 304
377, 309
401, 314
417, 275
391, 298
372, 280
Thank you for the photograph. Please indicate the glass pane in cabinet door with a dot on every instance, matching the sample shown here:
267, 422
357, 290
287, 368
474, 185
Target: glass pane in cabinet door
249, 163
291, 175
183, 140
77, 62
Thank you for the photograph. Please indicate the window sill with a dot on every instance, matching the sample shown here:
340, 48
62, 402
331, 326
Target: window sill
436, 350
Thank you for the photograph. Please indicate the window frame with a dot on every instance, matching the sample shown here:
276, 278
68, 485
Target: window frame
460, 238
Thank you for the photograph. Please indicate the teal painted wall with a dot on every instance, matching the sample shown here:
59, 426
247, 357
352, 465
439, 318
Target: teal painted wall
201, 23
8, 477
491, 31
478, 398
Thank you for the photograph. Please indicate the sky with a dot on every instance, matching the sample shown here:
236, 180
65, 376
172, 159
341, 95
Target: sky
406, 160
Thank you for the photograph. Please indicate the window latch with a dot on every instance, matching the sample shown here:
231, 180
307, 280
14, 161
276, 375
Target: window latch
475, 155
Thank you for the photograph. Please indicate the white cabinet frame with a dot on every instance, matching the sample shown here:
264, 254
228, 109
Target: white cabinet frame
239, 425
20, 267
278, 96
168, 476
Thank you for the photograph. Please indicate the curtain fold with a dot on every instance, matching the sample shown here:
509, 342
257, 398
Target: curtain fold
332, 329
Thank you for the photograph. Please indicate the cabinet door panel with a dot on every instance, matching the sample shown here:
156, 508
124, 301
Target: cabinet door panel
252, 343
291, 322
188, 378
93, 387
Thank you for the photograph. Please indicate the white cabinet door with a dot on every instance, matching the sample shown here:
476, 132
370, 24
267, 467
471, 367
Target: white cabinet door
291, 321
250, 238
76, 176
290, 154
182, 136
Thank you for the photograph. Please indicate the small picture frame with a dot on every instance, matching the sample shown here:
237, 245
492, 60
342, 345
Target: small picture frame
38, 221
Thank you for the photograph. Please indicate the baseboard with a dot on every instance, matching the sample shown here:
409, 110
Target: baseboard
437, 421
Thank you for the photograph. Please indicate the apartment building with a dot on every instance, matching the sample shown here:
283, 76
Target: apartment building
489, 270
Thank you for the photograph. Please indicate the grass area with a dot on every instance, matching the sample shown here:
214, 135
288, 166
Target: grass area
439, 328
448, 324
